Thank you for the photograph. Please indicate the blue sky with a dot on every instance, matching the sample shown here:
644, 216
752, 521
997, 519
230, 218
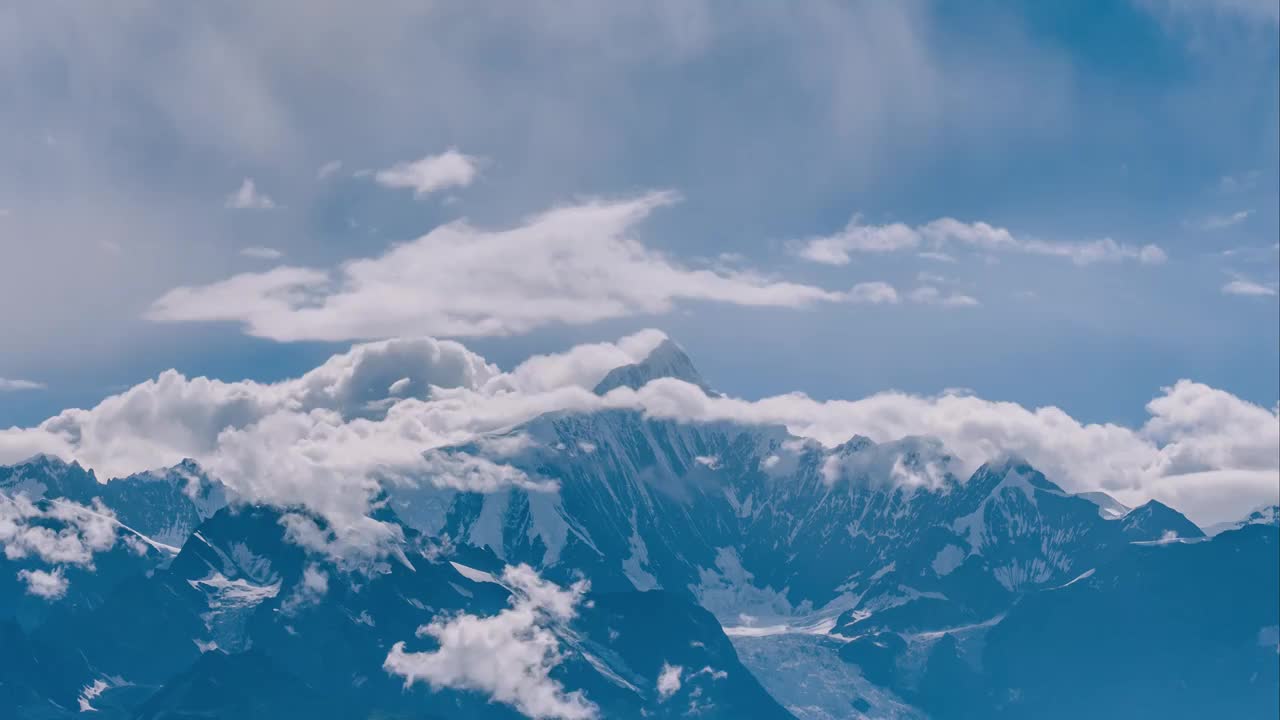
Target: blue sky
1149, 123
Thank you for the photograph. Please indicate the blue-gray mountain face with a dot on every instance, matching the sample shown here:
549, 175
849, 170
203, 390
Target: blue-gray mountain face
679, 570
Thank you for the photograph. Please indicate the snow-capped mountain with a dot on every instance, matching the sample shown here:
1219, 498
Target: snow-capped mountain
164, 505
1265, 515
648, 568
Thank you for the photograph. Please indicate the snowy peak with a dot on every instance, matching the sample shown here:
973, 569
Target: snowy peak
1157, 521
667, 360
1265, 515
1009, 471
1108, 507
47, 476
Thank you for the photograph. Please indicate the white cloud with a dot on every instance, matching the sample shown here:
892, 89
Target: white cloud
312, 589
263, 253
462, 471
50, 585
14, 384
431, 173
576, 264
333, 438
509, 656
1241, 286
936, 256
1239, 183
247, 197
873, 292
669, 680
1220, 222
58, 533
581, 366
930, 295
328, 169
855, 238
274, 442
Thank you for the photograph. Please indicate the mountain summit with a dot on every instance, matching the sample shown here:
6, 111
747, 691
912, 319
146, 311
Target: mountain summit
667, 360
656, 569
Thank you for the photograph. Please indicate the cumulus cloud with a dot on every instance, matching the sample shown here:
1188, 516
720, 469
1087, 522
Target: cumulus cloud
248, 197
1248, 288
15, 384
302, 441
669, 680
581, 366
873, 292
334, 438
312, 589
431, 173
58, 533
50, 585
508, 656
262, 253
935, 237
1192, 428
575, 264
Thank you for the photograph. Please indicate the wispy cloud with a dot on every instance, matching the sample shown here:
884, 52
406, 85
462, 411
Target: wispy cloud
431, 173
1248, 288
329, 169
930, 295
1239, 183
936, 256
932, 238
1220, 222
570, 265
263, 253
247, 197
14, 385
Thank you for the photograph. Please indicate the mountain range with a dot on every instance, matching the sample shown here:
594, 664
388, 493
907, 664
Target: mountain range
654, 568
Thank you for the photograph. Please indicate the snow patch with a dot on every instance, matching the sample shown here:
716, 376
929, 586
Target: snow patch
634, 565
89, 693
947, 560
474, 575
728, 591
806, 675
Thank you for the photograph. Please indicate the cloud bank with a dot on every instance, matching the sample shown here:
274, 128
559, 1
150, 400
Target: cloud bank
332, 438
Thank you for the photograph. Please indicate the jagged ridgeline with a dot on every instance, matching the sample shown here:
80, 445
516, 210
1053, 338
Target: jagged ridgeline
708, 570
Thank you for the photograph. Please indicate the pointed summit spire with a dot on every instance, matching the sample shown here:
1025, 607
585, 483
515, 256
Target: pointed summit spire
667, 360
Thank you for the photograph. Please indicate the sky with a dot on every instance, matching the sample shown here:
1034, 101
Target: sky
1052, 205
